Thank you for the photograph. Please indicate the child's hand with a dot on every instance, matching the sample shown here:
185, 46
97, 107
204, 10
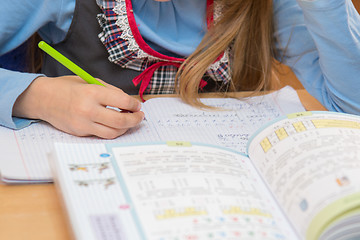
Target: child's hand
76, 107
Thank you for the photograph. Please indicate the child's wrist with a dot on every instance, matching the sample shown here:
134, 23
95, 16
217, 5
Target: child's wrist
31, 103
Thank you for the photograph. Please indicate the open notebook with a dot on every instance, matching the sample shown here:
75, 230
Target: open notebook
24, 151
300, 179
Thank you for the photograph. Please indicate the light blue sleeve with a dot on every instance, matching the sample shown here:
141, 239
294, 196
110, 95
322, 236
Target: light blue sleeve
18, 21
9, 92
320, 41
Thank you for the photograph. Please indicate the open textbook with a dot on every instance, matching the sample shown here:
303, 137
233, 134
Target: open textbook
24, 151
300, 180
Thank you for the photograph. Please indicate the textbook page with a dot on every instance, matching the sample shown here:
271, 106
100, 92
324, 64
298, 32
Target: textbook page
311, 164
24, 151
176, 190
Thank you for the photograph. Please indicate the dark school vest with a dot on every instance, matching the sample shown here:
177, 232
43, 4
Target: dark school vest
85, 49
83, 46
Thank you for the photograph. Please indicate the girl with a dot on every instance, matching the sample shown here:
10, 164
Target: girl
156, 47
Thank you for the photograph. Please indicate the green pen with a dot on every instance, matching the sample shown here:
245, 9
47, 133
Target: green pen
67, 63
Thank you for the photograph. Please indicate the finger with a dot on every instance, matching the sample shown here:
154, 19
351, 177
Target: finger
106, 132
115, 119
117, 98
106, 84
86, 127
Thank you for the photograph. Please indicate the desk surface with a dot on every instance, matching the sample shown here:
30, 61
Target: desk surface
35, 211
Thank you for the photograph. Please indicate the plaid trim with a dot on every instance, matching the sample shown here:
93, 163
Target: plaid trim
162, 82
124, 51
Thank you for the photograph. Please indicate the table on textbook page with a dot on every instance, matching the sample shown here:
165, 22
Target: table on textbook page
35, 211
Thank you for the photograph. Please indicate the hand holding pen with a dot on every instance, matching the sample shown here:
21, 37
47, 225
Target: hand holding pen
76, 107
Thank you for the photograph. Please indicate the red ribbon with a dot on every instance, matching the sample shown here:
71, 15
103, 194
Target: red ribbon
147, 74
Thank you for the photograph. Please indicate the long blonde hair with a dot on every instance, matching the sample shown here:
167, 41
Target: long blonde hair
247, 27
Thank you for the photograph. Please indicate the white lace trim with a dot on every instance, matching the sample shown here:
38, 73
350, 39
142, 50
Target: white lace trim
217, 10
223, 59
123, 24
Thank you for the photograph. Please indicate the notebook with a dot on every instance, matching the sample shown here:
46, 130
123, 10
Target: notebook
24, 151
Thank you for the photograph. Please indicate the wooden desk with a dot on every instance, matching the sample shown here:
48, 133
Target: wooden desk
35, 211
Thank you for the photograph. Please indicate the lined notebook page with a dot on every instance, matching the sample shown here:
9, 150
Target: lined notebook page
175, 120
25, 151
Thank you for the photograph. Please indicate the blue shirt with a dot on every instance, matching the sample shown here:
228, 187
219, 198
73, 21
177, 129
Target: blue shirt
167, 29
321, 37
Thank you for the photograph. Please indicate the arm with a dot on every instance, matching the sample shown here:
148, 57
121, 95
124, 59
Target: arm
76, 107
21, 19
68, 102
18, 21
9, 92
321, 43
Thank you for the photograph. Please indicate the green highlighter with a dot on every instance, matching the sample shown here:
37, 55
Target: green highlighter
67, 63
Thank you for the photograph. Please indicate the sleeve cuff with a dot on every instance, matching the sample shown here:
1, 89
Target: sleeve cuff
20, 123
